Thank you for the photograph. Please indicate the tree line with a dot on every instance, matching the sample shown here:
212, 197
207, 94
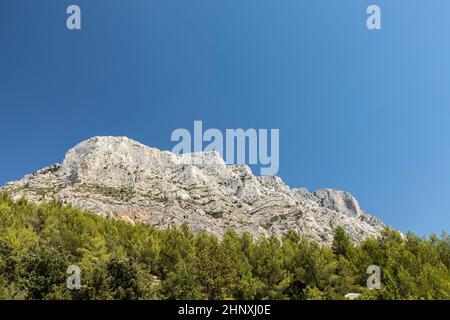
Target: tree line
119, 260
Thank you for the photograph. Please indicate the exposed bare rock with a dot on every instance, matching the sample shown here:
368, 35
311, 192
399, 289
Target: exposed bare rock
352, 296
122, 178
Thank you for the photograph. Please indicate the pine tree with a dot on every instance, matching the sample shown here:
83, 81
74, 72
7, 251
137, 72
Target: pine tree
341, 242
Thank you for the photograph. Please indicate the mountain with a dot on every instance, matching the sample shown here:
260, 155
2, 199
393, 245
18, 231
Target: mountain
121, 178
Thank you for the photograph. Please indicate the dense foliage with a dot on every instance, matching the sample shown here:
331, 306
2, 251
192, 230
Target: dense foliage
123, 261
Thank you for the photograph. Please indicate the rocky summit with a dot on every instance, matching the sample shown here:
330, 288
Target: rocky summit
121, 178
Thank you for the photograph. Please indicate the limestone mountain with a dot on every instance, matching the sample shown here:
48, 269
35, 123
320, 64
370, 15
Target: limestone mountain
121, 178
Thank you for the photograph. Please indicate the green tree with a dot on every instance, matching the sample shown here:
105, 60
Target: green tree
341, 242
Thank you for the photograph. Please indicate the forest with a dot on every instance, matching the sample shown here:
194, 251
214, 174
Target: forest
119, 260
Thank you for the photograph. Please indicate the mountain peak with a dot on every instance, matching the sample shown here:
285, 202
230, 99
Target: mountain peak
107, 145
122, 178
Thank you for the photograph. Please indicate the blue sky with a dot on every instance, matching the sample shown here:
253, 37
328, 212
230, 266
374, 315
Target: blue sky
358, 110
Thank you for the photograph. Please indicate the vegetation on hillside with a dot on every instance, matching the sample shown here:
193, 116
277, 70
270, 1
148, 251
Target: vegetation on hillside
121, 261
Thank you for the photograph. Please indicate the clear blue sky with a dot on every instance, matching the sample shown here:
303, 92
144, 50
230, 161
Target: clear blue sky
358, 110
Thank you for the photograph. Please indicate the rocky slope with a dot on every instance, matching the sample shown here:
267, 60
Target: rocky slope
119, 177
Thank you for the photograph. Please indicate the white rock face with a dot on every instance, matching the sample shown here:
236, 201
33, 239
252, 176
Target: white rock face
352, 296
122, 178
